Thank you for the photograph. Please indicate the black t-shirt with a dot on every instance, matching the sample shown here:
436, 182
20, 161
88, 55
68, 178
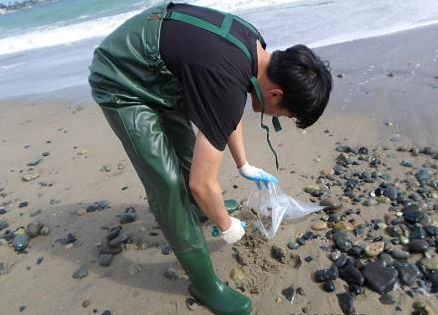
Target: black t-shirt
214, 73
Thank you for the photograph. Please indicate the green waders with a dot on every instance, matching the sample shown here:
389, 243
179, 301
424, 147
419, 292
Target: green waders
141, 100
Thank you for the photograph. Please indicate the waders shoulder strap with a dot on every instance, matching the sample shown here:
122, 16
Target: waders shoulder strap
224, 32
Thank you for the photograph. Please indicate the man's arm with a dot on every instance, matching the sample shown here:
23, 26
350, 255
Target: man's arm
237, 146
204, 184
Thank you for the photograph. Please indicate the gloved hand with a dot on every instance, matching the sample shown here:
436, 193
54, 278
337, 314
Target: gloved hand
234, 232
258, 175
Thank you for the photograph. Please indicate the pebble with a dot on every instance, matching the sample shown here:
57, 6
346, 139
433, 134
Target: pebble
39, 260
33, 229
127, 217
121, 238
335, 255
346, 301
319, 225
3, 225
407, 163
311, 189
378, 278
408, 273
171, 273
107, 312
400, 254
30, 175
2, 211
330, 204
342, 241
23, 204
35, 161
430, 263
86, 303
191, 304
289, 293
418, 246
374, 249
22, 308
80, 273
352, 275
21, 241
166, 250
387, 299
81, 212
329, 286
293, 245
34, 213
105, 260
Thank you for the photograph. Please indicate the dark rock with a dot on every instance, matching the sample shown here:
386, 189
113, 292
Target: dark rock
293, 245
394, 231
418, 246
113, 232
400, 254
23, 204
342, 240
340, 262
192, 304
408, 273
355, 289
346, 301
332, 273
22, 308
431, 230
289, 294
308, 258
423, 175
121, 238
3, 225
334, 217
127, 218
329, 286
407, 163
344, 149
363, 151
412, 216
308, 236
70, 239
2, 211
171, 273
21, 242
378, 278
39, 260
321, 275
418, 232
105, 260
351, 275
166, 250
80, 273
106, 312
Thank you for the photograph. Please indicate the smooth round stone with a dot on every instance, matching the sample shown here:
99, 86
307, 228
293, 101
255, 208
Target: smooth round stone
192, 304
231, 205
386, 259
3, 225
330, 204
374, 249
86, 303
352, 275
80, 273
400, 254
106, 312
35, 161
127, 217
321, 275
418, 232
171, 273
370, 202
319, 225
21, 242
311, 189
329, 286
334, 217
355, 289
30, 175
387, 299
289, 293
23, 204
383, 199
166, 250
394, 231
407, 163
121, 238
342, 260
33, 229
335, 255
379, 278
430, 263
431, 230
105, 260
408, 273
418, 246
293, 245
332, 273
2, 211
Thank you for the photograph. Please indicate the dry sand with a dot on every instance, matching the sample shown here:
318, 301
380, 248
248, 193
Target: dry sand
81, 143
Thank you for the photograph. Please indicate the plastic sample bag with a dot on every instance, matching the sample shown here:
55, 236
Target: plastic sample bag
274, 206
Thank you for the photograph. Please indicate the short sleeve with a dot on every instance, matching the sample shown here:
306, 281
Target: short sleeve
214, 101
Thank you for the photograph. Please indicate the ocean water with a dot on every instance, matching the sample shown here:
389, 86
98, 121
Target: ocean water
48, 47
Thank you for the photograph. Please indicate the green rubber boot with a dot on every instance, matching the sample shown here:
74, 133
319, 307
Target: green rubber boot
208, 289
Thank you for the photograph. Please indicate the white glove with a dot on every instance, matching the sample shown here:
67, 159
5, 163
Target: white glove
234, 232
256, 174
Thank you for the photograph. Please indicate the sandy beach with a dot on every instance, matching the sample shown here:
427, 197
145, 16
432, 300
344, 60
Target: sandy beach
385, 96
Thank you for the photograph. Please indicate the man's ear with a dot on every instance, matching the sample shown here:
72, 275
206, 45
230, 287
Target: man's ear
276, 93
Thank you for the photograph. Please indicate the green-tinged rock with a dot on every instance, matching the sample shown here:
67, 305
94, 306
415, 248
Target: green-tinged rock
311, 189
231, 205
430, 263
35, 161
383, 199
82, 272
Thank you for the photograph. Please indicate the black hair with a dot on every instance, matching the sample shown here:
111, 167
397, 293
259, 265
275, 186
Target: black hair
305, 80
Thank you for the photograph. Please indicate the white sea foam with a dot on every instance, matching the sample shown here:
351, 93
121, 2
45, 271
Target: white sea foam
306, 20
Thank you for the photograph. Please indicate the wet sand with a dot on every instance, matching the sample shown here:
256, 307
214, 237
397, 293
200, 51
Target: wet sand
386, 95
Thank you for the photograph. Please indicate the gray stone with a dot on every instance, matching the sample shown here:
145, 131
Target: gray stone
418, 246
105, 260
33, 229
400, 254
171, 273
352, 275
80, 273
378, 278
35, 161
407, 163
387, 299
345, 301
408, 273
